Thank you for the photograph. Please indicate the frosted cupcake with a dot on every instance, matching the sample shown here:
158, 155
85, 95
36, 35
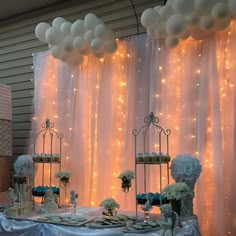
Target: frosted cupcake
160, 157
37, 158
154, 158
147, 157
46, 158
139, 157
167, 157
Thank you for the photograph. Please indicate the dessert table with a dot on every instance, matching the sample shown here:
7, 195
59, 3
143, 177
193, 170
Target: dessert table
29, 227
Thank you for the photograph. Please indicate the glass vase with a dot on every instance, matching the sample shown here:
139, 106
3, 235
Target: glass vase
64, 185
109, 212
176, 205
125, 185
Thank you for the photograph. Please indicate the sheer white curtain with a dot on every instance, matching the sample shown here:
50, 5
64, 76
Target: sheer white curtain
98, 104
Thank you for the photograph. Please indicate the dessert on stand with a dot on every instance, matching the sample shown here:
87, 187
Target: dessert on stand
47, 139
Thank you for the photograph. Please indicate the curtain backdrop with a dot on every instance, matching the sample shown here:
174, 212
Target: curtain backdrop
97, 105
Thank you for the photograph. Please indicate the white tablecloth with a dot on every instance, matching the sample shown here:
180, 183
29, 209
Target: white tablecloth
29, 228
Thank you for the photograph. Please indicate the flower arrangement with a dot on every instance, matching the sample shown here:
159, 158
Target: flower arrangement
63, 176
126, 178
24, 166
109, 204
177, 191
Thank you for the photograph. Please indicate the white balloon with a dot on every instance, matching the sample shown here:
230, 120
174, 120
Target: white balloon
40, 31
99, 21
220, 10
86, 50
157, 8
90, 21
183, 6
66, 27
166, 11
171, 42
222, 24
57, 22
170, 2
64, 57
202, 6
78, 28
53, 36
89, 36
160, 30
79, 42
97, 45
57, 51
68, 43
149, 17
99, 54
192, 19
232, 7
185, 35
176, 25
100, 31
110, 46
199, 34
206, 22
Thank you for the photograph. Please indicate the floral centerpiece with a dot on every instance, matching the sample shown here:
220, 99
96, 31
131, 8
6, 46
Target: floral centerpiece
175, 193
126, 178
64, 176
109, 205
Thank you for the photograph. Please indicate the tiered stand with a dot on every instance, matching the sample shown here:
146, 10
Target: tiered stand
48, 157
162, 136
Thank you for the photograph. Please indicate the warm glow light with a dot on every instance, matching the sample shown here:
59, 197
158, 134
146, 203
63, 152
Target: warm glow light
185, 133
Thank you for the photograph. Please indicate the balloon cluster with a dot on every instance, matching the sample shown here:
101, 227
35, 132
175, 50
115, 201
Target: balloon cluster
71, 42
180, 19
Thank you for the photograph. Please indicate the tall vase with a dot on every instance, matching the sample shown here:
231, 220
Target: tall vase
64, 184
126, 184
176, 205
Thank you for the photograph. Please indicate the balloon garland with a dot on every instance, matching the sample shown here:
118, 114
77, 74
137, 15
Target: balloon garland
180, 19
71, 42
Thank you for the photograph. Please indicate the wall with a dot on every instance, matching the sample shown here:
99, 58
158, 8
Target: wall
18, 42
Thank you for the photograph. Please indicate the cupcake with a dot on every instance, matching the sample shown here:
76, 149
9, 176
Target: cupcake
160, 157
37, 158
139, 157
147, 157
154, 157
166, 157
46, 158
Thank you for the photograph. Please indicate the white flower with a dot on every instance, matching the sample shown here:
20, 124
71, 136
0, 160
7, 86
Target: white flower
109, 203
128, 174
63, 174
177, 191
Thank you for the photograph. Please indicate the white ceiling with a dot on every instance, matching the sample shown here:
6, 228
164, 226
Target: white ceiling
11, 8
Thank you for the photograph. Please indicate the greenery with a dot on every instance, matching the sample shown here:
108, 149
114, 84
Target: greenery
177, 191
63, 174
109, 204
128, 174
126, 178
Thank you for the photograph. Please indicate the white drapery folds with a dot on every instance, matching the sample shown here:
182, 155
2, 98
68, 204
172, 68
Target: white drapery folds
98, 104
